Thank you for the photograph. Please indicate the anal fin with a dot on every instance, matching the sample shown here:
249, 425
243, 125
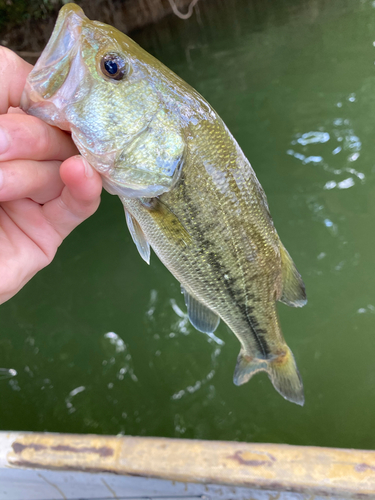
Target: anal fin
294, 293
138, 237
200, 316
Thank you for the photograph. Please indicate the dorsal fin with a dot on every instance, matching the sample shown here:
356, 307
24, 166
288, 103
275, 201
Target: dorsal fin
202, 318
293, 293
138, 237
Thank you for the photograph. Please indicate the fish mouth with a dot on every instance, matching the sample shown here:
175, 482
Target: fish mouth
53, 65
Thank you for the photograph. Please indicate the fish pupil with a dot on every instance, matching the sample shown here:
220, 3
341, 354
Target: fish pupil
111, 67
114, 66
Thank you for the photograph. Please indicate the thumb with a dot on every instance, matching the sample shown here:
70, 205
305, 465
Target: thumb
79, 198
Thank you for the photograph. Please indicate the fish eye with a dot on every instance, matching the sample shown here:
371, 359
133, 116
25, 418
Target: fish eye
114, 66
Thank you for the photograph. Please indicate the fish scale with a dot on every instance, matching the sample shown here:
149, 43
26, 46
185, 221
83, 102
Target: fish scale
188, 191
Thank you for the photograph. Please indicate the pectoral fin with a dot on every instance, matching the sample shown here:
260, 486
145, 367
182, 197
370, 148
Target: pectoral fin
202, 318
166, 220
294, 293
138, 237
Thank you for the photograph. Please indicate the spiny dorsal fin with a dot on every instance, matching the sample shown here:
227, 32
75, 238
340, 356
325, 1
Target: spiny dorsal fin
138, 237
202, 318
294, 293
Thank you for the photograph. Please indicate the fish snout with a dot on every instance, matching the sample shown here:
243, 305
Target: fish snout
49, 86
53, 65
65, 35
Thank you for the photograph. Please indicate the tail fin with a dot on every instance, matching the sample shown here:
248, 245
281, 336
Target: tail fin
282, 371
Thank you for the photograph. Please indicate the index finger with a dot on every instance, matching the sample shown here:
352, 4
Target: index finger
13, 74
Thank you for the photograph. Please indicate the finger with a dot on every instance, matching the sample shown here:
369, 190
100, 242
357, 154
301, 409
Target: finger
13, 74
30, 224
38, 180
20, 258
23, 136
79, 199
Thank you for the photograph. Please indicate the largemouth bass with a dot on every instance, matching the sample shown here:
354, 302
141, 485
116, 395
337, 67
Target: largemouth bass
188, 191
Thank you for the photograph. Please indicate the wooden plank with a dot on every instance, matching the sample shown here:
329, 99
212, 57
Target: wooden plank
304, 470
41, 484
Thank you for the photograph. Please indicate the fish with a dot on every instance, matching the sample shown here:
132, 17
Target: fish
188, 190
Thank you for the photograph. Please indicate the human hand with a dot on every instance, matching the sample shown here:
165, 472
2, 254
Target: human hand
45, 191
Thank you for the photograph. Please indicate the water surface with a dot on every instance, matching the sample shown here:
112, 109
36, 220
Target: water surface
100, 341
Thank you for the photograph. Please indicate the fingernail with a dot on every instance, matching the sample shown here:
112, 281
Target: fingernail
4, 141
89, 172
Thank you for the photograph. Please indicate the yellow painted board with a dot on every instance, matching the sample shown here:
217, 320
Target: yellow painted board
314, 470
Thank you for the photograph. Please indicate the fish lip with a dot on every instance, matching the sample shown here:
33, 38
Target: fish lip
65, 34
62, 43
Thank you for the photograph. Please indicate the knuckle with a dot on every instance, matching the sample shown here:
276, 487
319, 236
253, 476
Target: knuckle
41, 136
10, 64
70, 208
8, 58
82, 209
32, 137
13, 72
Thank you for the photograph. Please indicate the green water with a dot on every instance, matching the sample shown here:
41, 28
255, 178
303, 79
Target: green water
100, 340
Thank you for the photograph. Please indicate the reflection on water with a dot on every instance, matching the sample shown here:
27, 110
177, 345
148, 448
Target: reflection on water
349, 146
7, 373
180, 325
117, 356
101, 342
68, 399
183, 326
